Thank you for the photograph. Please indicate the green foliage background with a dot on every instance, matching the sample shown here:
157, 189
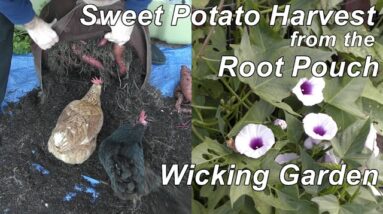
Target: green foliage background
21, 42
222, 106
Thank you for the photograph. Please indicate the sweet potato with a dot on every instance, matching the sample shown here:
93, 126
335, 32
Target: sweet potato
102, 42
186, 83
87, 58
92, 61
118, 53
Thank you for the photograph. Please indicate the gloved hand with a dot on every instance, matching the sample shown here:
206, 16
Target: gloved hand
120, 33
42, 33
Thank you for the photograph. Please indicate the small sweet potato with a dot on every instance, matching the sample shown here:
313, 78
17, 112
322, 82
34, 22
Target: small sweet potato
92, 61
186, 83
87, 58
118, 53
102, 42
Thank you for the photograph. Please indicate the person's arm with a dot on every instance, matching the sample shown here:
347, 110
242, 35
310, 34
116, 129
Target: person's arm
21, 12
17, 11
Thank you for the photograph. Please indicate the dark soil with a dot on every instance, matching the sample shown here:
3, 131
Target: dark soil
26, 126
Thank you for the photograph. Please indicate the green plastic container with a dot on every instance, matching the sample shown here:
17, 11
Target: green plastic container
180, 34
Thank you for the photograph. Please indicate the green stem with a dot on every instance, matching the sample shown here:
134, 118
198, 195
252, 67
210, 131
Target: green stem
379, 22
211, 60
233, 92
226, 84
271, 9
199, 136
197, 111
355, 194
204, 107
208, 128
202, 123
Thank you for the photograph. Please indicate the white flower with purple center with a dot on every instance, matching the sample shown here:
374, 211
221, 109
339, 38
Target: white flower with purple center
286, 157
254, 140
320, 126
330, 157
281, 123
310, 91
309, 143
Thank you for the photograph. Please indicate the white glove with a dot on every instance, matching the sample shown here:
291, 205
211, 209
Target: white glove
120, 33
42, 33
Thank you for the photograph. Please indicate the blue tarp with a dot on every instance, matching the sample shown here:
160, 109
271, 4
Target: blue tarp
23, 78
166, 77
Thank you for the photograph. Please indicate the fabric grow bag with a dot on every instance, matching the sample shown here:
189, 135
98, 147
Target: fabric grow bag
69, 28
